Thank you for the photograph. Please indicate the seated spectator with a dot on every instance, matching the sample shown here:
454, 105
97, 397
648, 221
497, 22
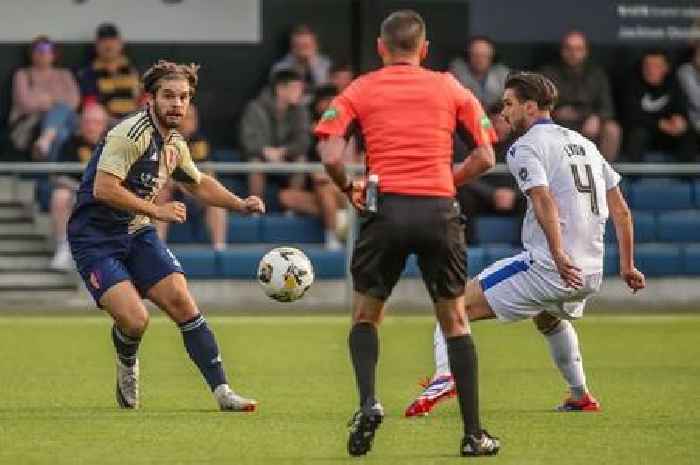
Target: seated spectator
341, 75
319, 196
110, 79
689, 79
655, 112
44, 100
478, 72
216, 218
585, 101
305, 59
495, 194
275, 128
78, 149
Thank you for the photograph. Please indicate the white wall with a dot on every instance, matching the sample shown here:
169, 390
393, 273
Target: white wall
138, 20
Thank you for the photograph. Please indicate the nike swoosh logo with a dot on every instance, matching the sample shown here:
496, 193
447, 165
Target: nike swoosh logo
652, 105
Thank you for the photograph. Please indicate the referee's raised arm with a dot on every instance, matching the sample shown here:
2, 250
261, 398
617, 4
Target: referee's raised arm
408, 116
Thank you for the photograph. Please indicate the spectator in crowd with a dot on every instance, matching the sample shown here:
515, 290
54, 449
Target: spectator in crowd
44, 100
479, 73
275, 128
77, 149
216, 218
110, 79
490, 195
655, 112
689, 79
585, 100
319, 196
341, 75
305, 58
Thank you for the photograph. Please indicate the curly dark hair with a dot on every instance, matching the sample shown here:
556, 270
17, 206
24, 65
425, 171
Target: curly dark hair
533, 86
167, 70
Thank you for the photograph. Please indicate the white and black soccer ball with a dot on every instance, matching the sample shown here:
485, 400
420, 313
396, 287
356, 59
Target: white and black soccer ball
285, 274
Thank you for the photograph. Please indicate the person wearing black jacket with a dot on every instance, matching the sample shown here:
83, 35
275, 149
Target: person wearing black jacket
655, 112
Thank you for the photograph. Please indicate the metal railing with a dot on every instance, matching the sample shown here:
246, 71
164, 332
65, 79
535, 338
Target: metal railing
628, 169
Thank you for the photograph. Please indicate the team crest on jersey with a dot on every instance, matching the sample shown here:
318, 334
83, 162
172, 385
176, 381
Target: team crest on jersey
523, 174
95, 280
171, 154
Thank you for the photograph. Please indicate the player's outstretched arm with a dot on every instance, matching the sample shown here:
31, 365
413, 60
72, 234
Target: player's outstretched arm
210, 192
624, 230
547, 214
108, 189
479, 161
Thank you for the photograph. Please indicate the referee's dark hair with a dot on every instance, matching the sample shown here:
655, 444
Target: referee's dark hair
403, 31
167, 70
535, 87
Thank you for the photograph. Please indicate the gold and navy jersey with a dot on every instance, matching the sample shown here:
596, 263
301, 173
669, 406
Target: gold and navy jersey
135, 152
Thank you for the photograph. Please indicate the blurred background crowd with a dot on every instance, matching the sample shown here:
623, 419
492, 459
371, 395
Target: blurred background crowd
58, 111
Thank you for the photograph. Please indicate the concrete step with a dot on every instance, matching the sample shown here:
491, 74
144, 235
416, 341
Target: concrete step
17, 228
14, 212
37, 279
25, 262
15, 244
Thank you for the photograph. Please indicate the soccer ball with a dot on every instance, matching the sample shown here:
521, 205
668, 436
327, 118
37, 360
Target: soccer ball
285, 274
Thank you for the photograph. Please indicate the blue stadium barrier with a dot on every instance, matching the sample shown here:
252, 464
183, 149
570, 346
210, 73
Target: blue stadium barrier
660, 194
328, 264
239, 264
181, 233
696, 189
611, 260
655, 259
691, 259
679, 226
657, 157
476, 260
282, 229
43, 194
645, 228
244, 229
496, 229
198, 263
495, 252
226, 155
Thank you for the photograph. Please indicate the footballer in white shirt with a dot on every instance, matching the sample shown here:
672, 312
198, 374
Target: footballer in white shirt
571, 189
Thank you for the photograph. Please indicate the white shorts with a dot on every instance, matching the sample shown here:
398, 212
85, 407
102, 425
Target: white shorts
517, 288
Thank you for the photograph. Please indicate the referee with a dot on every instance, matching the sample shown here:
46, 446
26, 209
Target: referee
408, 116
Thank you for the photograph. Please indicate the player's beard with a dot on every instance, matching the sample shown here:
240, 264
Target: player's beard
164, 120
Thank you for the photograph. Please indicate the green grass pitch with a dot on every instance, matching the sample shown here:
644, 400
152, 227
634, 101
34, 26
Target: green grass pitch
57, 403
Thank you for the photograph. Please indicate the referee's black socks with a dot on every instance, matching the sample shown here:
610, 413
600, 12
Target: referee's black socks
462, 355
364, 350
125, 345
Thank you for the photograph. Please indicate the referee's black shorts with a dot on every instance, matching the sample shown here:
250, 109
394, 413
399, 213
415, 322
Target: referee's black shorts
429, 227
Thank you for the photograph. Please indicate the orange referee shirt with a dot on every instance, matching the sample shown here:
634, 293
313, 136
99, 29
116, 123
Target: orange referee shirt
408, 115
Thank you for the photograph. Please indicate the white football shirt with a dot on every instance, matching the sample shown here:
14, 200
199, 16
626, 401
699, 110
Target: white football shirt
578, 178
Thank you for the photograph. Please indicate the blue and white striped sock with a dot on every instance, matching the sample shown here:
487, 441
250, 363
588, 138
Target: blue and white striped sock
126, 346
203, 350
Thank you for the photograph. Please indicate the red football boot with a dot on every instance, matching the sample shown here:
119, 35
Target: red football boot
587, 403
435, 390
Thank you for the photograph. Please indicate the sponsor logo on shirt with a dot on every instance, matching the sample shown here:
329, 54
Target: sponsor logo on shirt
523, 174
330, 114
652, 105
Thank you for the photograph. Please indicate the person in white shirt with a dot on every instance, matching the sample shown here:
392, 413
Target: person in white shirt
570, 191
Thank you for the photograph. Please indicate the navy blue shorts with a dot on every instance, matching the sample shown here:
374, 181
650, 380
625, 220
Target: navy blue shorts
141, 258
